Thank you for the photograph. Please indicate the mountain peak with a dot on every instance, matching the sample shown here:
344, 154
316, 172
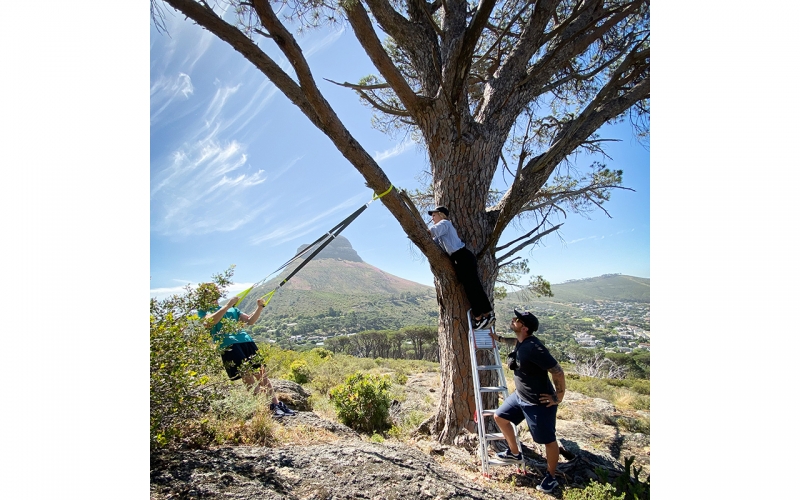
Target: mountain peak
339, 248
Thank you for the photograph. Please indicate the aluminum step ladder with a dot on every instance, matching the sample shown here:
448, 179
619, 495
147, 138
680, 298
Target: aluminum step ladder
481, 340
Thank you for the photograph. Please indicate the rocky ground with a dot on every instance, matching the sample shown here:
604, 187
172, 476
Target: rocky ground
349, 466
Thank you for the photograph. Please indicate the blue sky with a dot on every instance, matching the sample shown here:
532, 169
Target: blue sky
239, 176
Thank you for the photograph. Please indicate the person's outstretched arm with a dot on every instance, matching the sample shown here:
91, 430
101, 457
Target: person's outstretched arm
220, 313
251, 319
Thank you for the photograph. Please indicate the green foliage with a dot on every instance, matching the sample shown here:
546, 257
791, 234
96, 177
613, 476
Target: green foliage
183, 360
408, 422
606, 287
634, 424
400, 378
322, 353
238, 404
594, 491
299, 372
628, 485
636, 385
630, 393
512, 273
362, 402
331, 373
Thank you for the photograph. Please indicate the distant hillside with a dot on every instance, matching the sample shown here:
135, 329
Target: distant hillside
608, 287
338, 292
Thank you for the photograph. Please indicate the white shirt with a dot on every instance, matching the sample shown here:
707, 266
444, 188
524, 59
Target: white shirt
444, 234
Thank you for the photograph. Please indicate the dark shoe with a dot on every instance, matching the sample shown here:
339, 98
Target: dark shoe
489, 320
285, 409
548, 484
276, 410
508, 457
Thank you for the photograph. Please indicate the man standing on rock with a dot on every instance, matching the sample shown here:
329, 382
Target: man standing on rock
535, 399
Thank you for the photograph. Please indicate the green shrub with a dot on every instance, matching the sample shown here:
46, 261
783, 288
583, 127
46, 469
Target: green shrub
634, 424
362, 402
331, 372
183, 361
628, 483
400, 378
640, 386
299, 372
321, 352
594, 491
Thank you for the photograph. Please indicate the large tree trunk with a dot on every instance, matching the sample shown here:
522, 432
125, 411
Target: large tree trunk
452, 160
457, 404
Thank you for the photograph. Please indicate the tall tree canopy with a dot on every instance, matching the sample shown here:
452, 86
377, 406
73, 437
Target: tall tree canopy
518, 86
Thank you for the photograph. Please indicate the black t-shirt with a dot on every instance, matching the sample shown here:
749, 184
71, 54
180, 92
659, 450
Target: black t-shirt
533, 361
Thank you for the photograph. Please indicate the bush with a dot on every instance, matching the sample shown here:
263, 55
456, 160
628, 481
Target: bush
362, 402
594, 491
628, 483
183, 362
322, 353
299, 372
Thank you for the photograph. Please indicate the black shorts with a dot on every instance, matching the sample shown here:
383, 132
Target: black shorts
236, 355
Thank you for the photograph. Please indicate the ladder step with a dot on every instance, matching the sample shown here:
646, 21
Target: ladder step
489, 367
493, 462
488, 413
494, 436
494, 389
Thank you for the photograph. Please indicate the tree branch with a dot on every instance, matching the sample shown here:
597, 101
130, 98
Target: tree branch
463, 60
362, 27
529, 242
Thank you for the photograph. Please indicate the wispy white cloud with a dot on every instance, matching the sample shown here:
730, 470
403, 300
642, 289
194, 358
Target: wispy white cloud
581, 239
397, 150
295, 229
317, 45
165, 90
221, 96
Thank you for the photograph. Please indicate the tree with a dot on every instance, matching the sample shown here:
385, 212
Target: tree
516, 86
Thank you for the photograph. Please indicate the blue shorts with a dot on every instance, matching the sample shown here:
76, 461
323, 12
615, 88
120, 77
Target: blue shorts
541, 419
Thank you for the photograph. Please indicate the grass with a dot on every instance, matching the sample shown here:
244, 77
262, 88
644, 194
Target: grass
629, 394
242, 418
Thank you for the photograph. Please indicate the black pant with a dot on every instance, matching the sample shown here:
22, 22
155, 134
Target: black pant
467, 271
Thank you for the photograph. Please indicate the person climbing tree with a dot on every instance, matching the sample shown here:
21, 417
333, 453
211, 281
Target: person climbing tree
239, 352
444, 234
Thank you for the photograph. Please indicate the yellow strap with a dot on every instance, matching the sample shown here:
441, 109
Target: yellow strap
270, 294
376, 196
243, 294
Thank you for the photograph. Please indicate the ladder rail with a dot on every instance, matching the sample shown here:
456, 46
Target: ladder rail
476, 387
478, 390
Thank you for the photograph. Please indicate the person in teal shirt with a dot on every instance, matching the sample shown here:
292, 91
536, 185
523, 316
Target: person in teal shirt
239, 348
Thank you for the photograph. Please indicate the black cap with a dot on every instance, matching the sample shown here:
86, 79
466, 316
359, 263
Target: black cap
444, 210
528, 320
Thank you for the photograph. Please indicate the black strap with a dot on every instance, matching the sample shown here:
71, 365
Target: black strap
327, 238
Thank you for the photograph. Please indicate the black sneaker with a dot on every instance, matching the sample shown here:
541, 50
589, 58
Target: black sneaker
508, 457
548, 484
276, 410
285, 409
489, 320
